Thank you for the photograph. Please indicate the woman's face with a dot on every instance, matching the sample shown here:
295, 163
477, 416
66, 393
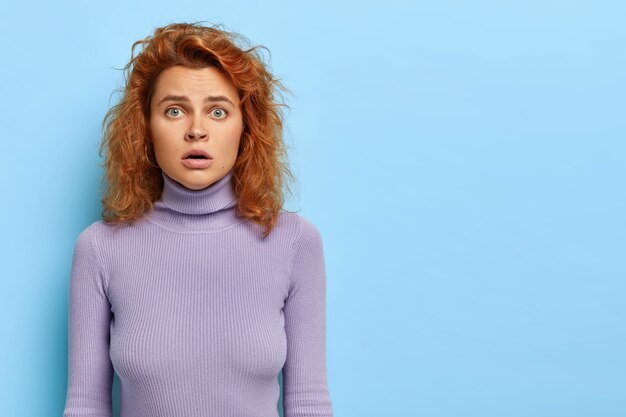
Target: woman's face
195, 108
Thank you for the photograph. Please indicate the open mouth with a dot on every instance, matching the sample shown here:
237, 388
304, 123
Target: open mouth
196, 157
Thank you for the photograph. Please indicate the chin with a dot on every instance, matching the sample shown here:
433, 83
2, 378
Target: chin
198, 180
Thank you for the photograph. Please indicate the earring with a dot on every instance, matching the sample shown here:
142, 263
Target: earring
145, 147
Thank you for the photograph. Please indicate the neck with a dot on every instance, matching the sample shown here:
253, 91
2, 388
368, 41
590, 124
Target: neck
182, 209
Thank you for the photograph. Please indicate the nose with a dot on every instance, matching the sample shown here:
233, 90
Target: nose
196, 131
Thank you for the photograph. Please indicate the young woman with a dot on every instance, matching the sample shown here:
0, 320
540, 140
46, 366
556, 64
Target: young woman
197, 288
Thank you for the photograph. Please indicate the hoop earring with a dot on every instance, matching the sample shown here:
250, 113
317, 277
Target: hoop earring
145, 147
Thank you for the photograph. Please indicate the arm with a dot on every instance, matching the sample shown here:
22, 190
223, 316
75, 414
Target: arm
89, 315
305, 390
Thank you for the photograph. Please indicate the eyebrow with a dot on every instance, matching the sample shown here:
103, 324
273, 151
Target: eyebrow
207, 99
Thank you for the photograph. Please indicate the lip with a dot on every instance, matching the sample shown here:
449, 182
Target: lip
197, 163
197, 151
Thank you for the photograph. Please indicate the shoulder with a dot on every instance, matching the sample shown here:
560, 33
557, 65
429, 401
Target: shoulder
88, 267
305, 239
307, 264
301, 229
94, 232
91, 238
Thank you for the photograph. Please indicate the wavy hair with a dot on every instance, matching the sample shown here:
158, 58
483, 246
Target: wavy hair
261, 169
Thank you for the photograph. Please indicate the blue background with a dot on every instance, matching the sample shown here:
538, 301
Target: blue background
464, 162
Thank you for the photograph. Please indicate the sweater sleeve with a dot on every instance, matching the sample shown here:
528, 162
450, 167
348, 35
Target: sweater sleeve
305, 390
90, 371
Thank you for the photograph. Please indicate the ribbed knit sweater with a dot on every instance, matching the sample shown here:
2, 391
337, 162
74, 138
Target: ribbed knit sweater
197, 313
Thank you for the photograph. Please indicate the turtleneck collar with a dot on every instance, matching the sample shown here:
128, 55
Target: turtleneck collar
182, 209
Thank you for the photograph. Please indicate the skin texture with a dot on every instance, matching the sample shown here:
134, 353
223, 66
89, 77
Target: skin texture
178, 126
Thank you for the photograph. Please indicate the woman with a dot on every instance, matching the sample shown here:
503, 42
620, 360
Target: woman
196, 287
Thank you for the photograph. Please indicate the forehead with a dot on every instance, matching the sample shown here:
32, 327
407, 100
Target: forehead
194, 83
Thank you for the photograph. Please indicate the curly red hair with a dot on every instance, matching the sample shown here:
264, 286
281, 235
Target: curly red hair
260, 171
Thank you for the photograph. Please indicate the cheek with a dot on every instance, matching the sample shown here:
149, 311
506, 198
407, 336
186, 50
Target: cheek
231, 146
161, 134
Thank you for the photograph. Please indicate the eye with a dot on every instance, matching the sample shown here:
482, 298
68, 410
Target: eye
173, 114
219, 112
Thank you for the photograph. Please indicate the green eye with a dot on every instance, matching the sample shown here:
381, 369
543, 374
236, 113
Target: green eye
173, 108
220, 113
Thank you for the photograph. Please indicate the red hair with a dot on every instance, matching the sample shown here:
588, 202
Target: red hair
260, 170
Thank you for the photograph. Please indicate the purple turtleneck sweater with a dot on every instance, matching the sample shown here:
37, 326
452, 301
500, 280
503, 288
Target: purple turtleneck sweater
197, 313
